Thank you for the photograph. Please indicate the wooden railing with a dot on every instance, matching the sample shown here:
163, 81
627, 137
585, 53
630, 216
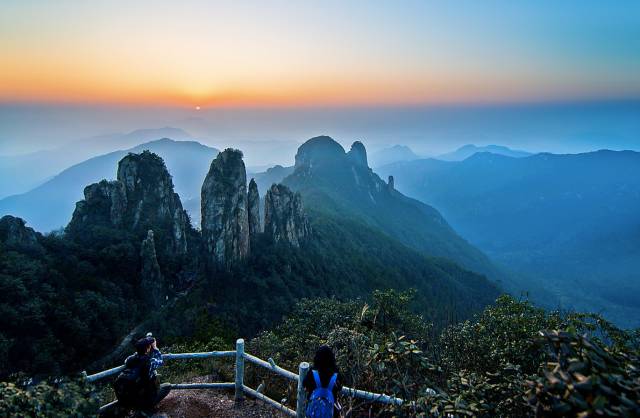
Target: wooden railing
241, 389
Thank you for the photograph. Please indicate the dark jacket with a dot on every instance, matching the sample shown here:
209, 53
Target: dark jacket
147, 365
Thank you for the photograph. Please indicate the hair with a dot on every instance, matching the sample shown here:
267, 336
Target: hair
143, 344
325, 361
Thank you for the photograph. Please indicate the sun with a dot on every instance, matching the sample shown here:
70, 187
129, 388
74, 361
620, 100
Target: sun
197, 107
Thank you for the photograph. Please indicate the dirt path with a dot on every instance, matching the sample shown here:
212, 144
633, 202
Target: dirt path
211, 404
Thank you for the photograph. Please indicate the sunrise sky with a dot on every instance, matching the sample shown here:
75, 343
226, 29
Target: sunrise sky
204, 53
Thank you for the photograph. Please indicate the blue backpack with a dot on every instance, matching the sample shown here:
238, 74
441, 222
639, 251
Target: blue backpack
321, 402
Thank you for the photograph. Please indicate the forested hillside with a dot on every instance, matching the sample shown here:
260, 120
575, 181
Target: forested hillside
112, 273
339, 183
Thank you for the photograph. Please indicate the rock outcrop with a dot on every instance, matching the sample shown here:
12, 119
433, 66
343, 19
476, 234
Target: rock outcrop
105, 203
391, 184
321, 162
284, 216
225, 220
15, 233
151, 199
141, 198
358, 154
318, 151
253, 208
152, 283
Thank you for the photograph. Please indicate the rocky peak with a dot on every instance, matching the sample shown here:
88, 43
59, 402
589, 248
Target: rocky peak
253, 208
15, 233
358, 154
152, 283
225, 220
321, 162
318, 151
284, 216
105, 203
141, 198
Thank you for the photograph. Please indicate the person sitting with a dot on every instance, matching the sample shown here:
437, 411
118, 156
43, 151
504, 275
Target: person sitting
137, 387
323, 383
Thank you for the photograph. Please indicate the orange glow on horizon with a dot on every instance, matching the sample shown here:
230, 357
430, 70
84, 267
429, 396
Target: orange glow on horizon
209, 54
315, 93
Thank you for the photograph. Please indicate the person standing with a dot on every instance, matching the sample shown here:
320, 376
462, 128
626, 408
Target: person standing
323, 383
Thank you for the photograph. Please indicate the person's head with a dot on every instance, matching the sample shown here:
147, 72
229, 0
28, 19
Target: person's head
325, 360
144, 345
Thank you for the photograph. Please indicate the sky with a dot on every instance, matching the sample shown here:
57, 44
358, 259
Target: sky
207, 53
560, 76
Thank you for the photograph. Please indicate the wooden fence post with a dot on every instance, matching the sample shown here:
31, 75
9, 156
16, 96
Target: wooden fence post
239, 369
303, 369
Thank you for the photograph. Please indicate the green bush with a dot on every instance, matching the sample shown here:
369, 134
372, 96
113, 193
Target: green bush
66, 398
582, 378
497, 365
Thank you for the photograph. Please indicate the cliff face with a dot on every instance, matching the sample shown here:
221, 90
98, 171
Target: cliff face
151, 197
358, 154
15, 233
152, 283
225, 220
284, 217
323, 162
253, 207
105, 203
141, 198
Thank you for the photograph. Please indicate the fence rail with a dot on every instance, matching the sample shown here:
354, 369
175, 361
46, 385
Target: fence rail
239, 386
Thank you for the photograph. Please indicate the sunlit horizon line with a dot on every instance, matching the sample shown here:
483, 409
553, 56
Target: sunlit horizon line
212, 104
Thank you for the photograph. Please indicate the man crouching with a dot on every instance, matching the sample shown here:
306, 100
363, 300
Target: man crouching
137, 387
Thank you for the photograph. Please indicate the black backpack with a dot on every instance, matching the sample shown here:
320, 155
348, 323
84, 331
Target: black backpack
129, 386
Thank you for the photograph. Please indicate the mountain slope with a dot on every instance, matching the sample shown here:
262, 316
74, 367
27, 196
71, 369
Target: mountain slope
570, 223
335, 182
188, 162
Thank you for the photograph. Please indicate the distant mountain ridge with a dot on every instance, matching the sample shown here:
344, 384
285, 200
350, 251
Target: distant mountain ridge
391, 155
188, 162
17, 174
568, 223
468, 150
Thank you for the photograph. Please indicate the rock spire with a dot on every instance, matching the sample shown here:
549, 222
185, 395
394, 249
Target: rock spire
284, 217
225, 220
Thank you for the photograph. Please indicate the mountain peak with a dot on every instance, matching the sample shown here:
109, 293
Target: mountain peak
15, 232
358, 154
391, 155
319, 150
468, 150
142, 198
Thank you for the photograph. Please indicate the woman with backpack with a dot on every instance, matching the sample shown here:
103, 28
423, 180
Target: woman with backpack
323, 383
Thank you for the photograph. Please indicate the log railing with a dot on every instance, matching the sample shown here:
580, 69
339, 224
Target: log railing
241, 389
